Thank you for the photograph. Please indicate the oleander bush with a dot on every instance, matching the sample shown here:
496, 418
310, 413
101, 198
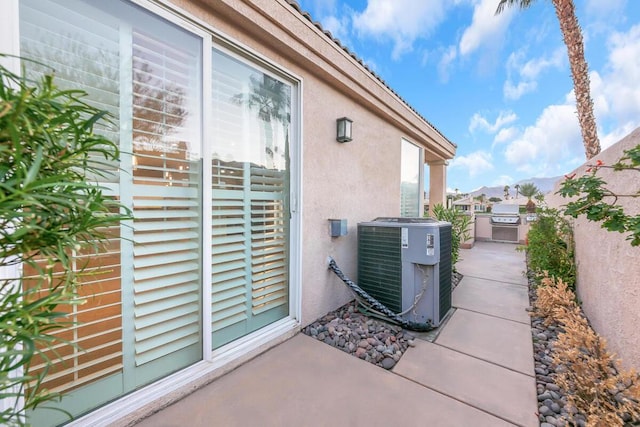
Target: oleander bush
550, 247
460, 229
51, 208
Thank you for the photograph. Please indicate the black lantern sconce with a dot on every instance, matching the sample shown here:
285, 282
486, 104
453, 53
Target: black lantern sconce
344, 129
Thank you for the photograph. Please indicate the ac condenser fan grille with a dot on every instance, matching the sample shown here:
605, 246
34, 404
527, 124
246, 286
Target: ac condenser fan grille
380, 265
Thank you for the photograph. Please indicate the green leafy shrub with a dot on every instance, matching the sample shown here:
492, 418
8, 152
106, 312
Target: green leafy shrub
51, 208
460, 227
598, 203
550, 248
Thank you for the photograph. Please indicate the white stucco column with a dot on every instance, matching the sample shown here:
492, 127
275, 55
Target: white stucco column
437, 184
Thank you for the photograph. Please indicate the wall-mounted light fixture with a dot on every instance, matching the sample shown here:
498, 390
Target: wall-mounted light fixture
344, 133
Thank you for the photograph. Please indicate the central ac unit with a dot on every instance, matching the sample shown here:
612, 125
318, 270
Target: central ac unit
401, 259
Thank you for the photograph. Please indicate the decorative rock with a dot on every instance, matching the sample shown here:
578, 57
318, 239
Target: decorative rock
544, 396
388, 363
545, 411
363, 344
551, 420
555, 407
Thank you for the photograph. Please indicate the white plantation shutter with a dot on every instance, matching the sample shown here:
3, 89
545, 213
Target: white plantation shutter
250, 216
166, 200
269, 234
83, 53
230, 246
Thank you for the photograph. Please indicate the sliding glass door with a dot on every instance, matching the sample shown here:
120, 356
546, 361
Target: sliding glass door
205, 135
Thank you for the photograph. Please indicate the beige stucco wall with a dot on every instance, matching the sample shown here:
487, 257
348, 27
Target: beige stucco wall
357, 181
608, 281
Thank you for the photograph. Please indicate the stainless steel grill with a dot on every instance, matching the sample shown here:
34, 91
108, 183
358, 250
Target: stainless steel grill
504, 223
505, 215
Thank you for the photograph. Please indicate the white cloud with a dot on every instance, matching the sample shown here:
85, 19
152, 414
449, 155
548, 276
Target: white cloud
486, 29
480, 122
553, 144
505, 134
339, 28
534, 67
623, 74
402, 21
602, 8
475, 163
543, 147
616, 89
502, 180
447, 58
514, 92
527, 72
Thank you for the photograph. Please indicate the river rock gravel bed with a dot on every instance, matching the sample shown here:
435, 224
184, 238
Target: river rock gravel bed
552, 401
370, 339
366, 338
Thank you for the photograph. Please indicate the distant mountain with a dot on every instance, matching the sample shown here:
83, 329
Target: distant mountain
545, 185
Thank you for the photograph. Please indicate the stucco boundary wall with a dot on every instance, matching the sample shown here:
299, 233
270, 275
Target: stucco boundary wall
608, 267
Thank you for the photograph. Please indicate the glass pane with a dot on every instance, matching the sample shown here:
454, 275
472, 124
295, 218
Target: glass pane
250, 213
410, 180
143, 315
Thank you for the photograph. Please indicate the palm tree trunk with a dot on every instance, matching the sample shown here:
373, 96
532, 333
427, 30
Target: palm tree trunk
565, 11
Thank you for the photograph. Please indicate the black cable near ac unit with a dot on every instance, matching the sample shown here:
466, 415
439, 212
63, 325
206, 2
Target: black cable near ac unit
371, 303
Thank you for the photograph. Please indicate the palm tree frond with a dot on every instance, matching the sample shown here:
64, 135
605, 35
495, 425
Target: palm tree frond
522, 4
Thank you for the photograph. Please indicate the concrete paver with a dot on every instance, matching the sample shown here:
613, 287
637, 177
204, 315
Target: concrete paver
495, 261
502, 342
303, 382
506, 393
499, 299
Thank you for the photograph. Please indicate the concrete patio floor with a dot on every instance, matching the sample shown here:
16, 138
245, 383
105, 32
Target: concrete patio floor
477, 372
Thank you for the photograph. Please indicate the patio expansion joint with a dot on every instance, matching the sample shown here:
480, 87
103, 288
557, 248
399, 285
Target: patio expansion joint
493, 315
532, 375
494, 280
450, 396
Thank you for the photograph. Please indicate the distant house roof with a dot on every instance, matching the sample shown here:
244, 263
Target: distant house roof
467, 201
327, 33
520, 201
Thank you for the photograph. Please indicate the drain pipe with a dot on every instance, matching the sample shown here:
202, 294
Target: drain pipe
376, 306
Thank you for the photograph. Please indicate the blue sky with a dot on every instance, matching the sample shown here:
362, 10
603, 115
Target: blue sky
497, 86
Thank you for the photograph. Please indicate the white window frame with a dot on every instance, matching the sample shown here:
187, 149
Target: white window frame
420, 160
